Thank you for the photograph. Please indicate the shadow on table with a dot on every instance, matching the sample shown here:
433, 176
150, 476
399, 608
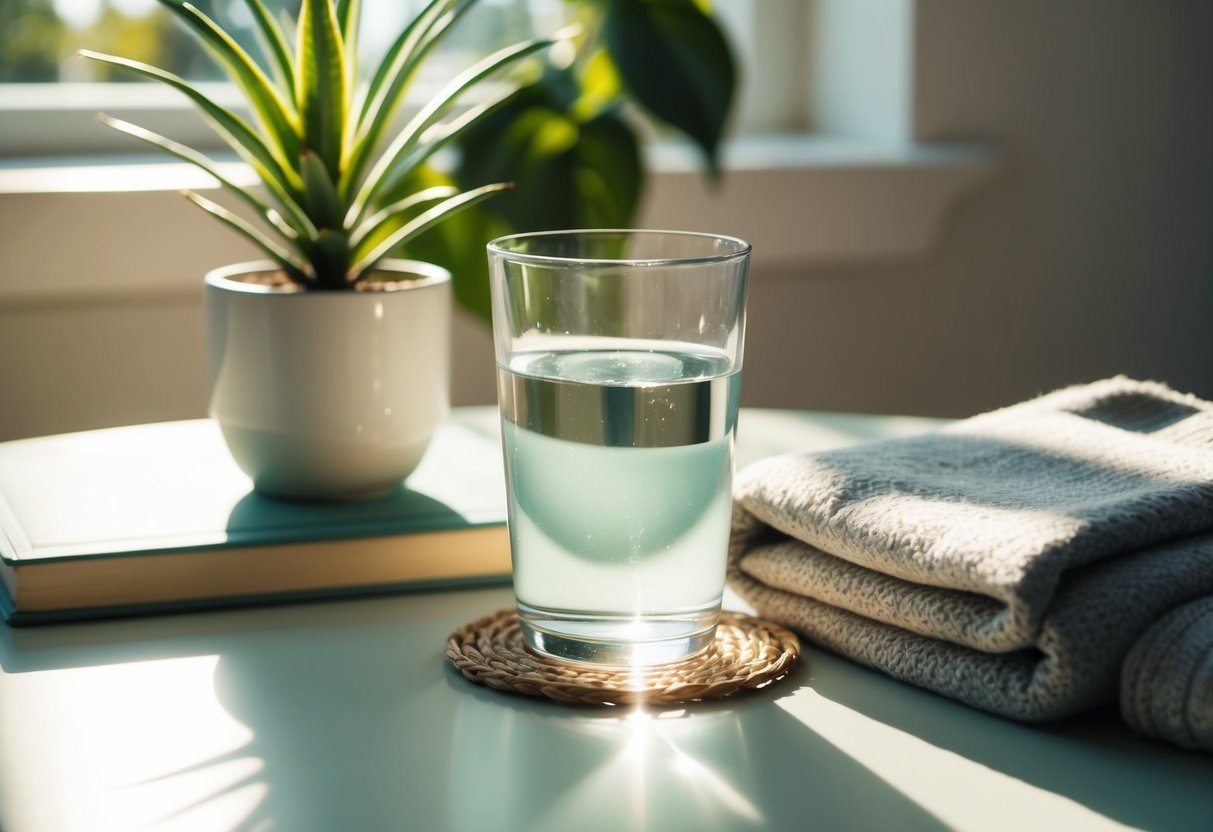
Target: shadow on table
1092, 759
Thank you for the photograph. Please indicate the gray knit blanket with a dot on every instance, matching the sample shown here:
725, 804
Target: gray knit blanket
1009, 561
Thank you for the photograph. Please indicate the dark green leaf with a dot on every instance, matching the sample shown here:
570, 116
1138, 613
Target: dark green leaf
566, 174
323, 205
675, 61
331, 260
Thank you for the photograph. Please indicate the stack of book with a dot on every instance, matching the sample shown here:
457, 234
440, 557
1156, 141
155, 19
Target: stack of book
151, 518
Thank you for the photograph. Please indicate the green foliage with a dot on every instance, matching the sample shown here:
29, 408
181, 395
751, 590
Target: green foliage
569, 139
29, 41
341, 192
329, 220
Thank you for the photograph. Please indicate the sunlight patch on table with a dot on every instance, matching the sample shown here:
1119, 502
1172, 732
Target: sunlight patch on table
141, 745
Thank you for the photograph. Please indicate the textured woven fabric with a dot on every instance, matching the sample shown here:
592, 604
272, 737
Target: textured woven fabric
1009, 561
1167, 679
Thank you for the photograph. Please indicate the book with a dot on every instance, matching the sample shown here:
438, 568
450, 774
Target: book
157, 517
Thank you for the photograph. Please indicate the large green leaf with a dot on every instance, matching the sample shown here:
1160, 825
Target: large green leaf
567, 174
322, 84
675, 61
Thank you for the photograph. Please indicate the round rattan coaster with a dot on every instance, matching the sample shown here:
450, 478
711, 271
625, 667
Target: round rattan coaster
748, 653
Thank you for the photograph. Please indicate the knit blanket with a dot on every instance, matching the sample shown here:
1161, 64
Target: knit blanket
1009, 561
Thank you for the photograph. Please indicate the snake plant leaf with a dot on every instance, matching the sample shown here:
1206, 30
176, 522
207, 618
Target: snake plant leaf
279, 177
398, 55
391, 217
322, 84
391, 80
273, 42
364, 263
188, 154
290, 263
349, 15
436, 108
676, 62
457, 244
323, 205
330, 257
439, 136
274, 113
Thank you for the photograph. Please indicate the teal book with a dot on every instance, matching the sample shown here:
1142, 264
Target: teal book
152, 518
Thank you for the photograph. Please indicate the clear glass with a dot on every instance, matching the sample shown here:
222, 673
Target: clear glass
619, 367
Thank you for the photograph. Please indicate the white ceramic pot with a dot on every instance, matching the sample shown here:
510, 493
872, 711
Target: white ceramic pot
329, 395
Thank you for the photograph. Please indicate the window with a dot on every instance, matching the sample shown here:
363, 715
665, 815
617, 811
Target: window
39, 38
48, 97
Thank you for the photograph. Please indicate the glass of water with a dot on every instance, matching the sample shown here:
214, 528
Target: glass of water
618, 374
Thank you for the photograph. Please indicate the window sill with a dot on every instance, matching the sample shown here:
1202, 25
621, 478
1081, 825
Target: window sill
797, 199
823, 199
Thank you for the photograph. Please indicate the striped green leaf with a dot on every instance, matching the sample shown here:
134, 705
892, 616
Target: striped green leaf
282, 180
273, 41
438, 106
440, 135
275, 114
188, 154
366, 262
393, 216
296, 268
322, 83
349, 15
391, 81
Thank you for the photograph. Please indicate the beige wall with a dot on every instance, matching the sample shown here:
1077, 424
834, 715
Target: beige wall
1089, 252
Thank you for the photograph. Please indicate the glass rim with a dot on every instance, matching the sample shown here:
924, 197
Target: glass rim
497, 247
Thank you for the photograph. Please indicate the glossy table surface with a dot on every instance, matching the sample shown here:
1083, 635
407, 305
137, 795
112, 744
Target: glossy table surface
344, 715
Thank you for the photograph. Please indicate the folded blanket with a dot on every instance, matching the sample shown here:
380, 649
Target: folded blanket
1166, 686
1009, 561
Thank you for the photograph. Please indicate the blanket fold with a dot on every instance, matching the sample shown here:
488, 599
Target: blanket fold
1009, 561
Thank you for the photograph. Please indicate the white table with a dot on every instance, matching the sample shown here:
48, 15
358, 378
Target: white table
344, 716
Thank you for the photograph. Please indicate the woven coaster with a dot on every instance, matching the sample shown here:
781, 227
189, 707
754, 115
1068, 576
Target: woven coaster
748, 653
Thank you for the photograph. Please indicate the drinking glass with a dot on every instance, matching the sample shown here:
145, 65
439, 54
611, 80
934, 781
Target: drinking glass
618, 374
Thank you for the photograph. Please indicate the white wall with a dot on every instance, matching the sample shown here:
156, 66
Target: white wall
1089, 253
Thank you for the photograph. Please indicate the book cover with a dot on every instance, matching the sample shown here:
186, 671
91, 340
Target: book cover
156, 517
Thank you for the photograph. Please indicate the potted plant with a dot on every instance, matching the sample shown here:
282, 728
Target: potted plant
329, 358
